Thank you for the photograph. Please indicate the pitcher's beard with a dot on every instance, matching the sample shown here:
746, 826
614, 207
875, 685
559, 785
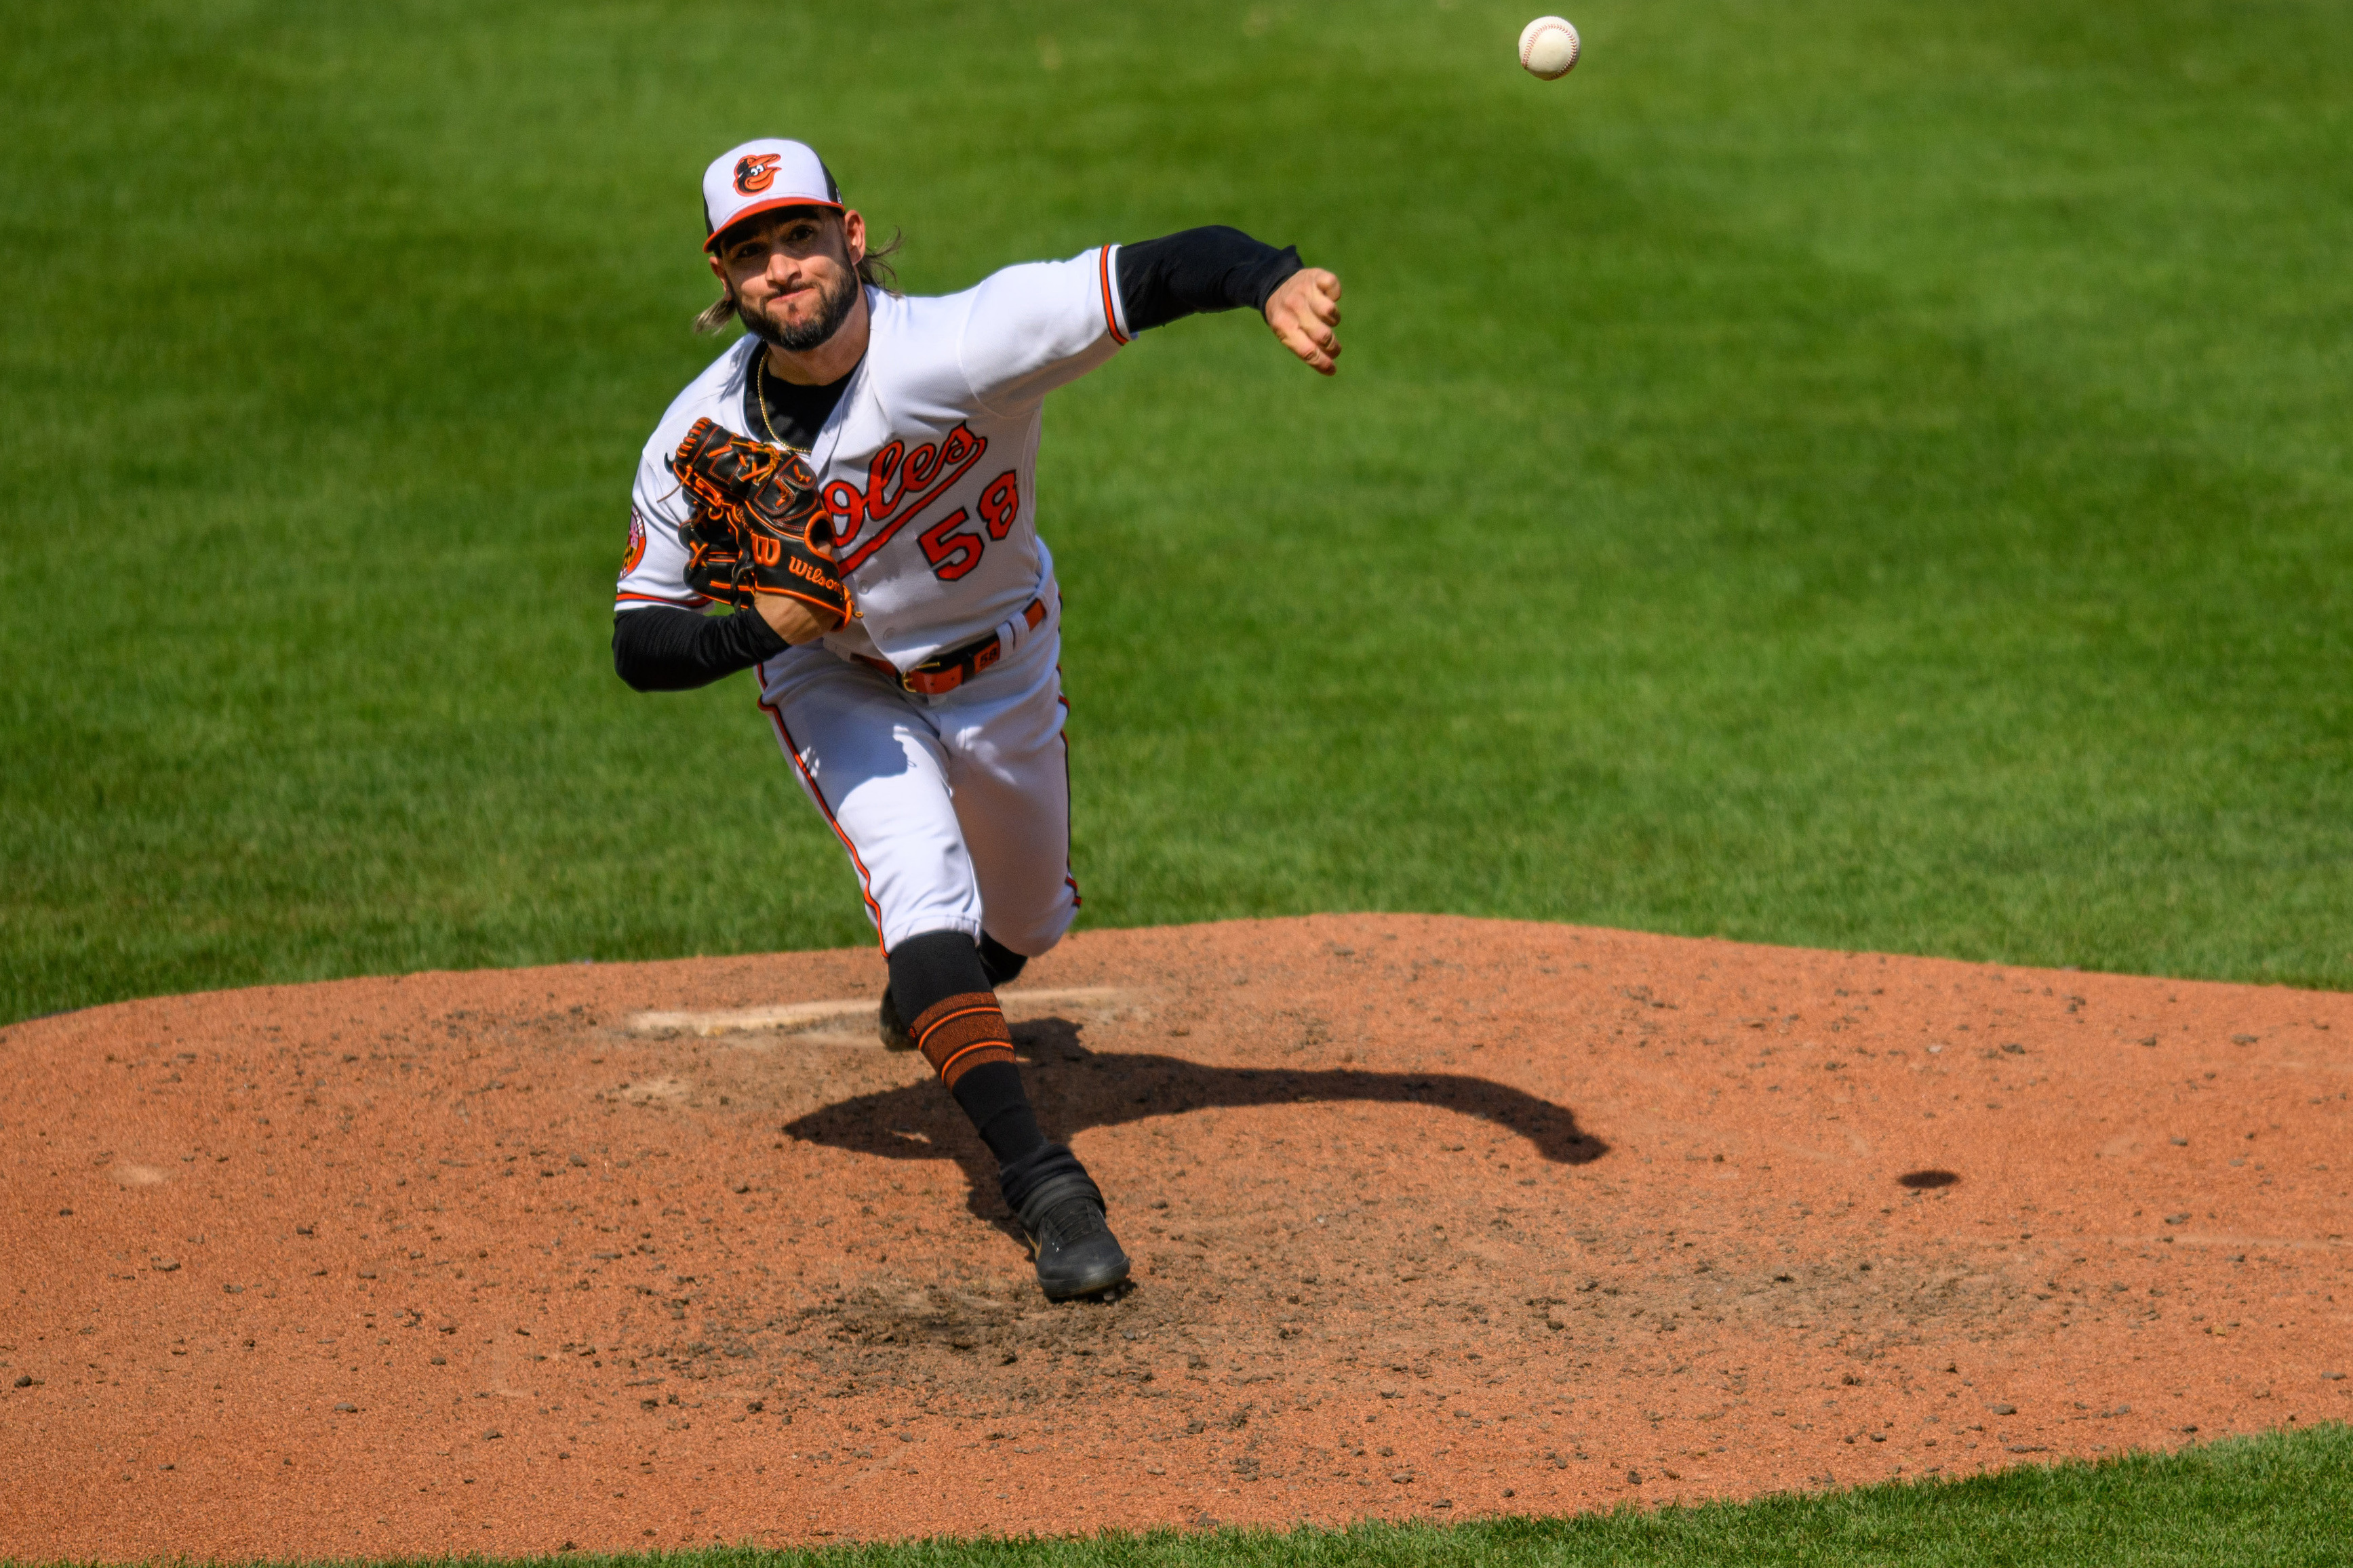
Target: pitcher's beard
833, 310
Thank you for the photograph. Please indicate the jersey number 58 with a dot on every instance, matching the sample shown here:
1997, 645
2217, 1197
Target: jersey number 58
951, 553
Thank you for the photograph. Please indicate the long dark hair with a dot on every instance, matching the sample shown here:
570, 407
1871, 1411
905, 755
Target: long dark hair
874, 270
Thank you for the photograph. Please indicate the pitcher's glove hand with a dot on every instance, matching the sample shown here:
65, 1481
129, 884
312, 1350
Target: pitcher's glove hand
758, 526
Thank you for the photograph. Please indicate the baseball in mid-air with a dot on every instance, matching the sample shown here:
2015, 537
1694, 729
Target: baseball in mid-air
1548, 48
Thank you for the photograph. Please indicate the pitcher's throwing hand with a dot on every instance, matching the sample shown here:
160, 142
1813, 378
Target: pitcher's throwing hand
1305, 313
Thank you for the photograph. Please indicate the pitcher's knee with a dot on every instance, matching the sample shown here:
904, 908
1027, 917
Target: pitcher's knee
1004, 965
1030, 937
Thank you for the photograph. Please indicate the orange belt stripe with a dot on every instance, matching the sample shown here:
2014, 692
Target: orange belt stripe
943, 672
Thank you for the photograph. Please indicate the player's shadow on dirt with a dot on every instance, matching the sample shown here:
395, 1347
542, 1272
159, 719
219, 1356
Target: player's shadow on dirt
1075, 1089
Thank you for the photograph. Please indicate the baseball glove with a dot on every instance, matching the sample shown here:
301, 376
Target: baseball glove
757, 526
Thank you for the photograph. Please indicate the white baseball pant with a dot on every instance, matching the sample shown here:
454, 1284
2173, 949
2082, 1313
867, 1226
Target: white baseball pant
955, 810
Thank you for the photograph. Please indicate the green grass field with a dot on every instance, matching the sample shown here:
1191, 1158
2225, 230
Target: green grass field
1857, 474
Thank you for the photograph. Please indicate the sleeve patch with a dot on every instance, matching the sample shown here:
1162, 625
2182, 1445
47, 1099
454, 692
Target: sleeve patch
636, 548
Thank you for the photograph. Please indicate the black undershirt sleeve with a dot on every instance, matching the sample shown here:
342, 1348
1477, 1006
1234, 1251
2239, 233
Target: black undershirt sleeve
659, 648
1213, 268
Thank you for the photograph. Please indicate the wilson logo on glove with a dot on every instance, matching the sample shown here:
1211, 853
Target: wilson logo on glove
757, 526
800, 568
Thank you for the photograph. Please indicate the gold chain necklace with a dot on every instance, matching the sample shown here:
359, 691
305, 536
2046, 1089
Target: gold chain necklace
760, 392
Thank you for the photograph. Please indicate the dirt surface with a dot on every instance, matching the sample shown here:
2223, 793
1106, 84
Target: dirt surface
1431, 1218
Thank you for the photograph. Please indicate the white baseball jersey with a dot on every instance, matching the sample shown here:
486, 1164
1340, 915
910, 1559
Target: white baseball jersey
928, 463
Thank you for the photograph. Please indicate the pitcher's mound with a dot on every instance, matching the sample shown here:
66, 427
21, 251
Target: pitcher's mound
1430, 1217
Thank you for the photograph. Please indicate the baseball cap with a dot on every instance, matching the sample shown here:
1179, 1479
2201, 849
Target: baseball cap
761, 177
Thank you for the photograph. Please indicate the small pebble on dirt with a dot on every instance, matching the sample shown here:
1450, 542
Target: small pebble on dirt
347, 1409
2003, 1409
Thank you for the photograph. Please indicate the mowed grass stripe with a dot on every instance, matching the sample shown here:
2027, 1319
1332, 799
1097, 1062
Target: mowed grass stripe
1841, 476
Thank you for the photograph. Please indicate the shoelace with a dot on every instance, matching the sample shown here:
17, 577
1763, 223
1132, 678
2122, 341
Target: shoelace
1072, 1221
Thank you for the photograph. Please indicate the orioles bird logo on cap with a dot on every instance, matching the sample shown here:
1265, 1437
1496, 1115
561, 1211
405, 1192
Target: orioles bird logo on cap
756, 173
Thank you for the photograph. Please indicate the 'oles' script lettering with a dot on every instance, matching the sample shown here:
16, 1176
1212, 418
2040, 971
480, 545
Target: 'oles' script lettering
893, 477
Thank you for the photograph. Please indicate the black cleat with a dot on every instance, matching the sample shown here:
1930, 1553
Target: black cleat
1061, 1212
895, 1037
1076, 1254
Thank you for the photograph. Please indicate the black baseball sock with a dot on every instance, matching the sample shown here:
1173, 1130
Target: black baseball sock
946, 993
1004, 965
927, 970
992, 1095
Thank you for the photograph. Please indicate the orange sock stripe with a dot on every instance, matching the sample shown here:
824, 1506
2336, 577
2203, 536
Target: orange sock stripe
925, 1031
961, 1033
965, 1060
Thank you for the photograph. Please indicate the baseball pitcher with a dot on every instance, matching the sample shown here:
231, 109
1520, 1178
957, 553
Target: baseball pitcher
855, 480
